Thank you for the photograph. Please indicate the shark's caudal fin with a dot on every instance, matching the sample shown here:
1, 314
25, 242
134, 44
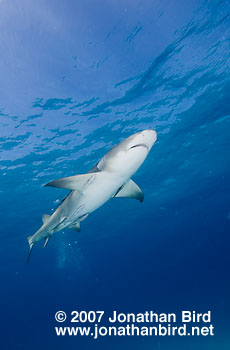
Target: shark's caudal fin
31, 244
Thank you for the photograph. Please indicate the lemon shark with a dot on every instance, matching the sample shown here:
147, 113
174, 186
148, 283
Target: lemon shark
110, 177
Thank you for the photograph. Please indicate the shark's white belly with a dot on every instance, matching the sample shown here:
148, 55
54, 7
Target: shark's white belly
103, 186
95, 195
78, 205
100, 191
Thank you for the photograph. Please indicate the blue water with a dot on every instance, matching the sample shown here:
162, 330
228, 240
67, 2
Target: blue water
78, 77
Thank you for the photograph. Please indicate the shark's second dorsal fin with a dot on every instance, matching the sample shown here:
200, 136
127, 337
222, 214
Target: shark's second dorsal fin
131, 190
75, 183
45, 218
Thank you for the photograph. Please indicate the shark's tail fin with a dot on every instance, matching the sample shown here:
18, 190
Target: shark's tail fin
31, 244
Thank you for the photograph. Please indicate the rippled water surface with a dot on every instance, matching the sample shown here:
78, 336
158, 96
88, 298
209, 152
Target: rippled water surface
78, 77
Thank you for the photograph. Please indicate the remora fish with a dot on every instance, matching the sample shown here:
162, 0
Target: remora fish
110, 177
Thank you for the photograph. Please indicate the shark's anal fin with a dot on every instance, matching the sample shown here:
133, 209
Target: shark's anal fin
131, 190
75, 227
45, 218
75, 183
31, 244
46, 241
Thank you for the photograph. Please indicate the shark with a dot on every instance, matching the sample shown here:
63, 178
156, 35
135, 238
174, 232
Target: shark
109, 178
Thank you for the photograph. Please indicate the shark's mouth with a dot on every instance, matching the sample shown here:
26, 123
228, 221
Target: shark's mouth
140, 145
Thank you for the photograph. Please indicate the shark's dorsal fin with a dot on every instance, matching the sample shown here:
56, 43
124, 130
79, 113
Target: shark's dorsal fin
131, 190
45, 218
46, 241
75, 227
75, 183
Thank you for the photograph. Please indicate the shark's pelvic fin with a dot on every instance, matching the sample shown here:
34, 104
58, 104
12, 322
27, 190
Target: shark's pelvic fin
46, 241
31, 244
75, 226
75, 183
45, 218
131, 190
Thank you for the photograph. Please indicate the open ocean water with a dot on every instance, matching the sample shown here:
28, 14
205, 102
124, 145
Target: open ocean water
78, 77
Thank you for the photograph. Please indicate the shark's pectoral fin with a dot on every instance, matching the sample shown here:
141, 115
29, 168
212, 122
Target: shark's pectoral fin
75, 227
45, 218
131, 190
75, 183
46, 241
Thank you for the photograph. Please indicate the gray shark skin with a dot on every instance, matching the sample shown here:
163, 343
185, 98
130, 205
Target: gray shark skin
110, 177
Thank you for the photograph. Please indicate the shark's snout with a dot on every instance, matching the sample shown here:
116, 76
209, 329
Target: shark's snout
149, 135
145, 138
